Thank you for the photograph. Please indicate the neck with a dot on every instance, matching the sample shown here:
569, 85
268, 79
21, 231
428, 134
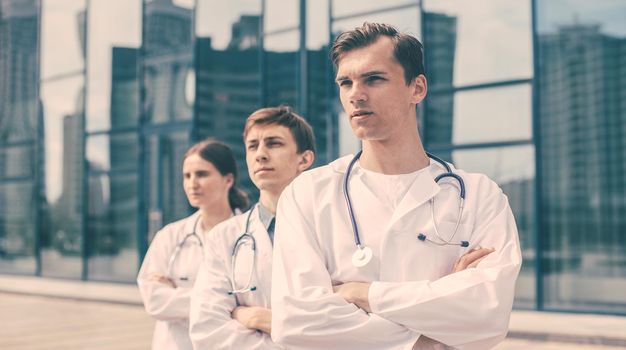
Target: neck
394, 156
214, 215
269, 200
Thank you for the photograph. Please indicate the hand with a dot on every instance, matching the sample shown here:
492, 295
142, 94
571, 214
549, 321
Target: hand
354, 292
424, 343
254, 317
472, 258
163, 279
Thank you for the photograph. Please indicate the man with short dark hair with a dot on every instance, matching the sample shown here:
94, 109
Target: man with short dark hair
230, 304
383, 250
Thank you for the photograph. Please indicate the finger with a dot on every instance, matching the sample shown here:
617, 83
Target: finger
476, 262
468, 258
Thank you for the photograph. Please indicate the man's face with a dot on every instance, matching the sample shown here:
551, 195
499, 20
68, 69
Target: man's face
375, 95
272, 157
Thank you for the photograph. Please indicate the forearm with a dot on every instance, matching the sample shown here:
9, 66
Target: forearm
163, 302
254, 317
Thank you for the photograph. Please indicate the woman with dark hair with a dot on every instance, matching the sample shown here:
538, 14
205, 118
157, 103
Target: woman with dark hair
169, 268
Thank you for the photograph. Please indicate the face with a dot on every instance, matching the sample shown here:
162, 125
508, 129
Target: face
272, 157
204, 185
374, 93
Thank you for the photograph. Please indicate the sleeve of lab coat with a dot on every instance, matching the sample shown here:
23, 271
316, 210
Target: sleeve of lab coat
211, 325
160, 300
469, 309
306, 312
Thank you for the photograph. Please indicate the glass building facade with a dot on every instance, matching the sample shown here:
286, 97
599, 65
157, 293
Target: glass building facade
99, 100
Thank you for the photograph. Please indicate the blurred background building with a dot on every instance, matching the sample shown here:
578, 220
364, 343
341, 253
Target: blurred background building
99, 99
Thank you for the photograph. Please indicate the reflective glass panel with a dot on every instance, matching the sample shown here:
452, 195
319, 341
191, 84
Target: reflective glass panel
168, 62
114, 39
406, 20
18, 72
484, 115
61, 245
115, 152
228, 74
17, 161
479, 41
167, 201
112, 227
317, 24
512, 168
281, 14
17, 227
62, 37
282, 64
582, 119
342, 8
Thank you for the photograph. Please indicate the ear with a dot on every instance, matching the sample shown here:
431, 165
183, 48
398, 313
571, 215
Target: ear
419, 87
230, 180
306, 160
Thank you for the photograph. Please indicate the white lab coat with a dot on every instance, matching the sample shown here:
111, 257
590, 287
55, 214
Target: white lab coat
170, 306
212, 326
413, 292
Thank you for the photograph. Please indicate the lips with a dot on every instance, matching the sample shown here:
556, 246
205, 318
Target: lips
262, 169
360, 113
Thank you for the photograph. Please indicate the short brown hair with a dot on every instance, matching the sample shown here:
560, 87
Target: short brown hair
407, 49
284, 115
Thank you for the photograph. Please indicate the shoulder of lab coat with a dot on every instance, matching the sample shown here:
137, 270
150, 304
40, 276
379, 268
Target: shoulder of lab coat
211, 324
306, 314
469, 309
160, 300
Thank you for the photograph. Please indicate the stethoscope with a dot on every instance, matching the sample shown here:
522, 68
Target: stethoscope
179, 247
363, 254
245, 237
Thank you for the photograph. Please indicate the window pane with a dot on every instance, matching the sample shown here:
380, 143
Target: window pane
281, 14
485, 115
62, 37
168, 58
116, 152
228, 85
17, 227
583, 131
406, 20
112, 227
282, 64
18, 72
348, 7
512, 168
166, 201
317, 28
17, 161
480, 41
61, 246
114, 40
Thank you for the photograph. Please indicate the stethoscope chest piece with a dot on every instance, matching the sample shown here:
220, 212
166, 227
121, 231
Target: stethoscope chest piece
362, 256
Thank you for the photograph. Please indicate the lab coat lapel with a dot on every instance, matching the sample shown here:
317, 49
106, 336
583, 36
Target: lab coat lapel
263, 260
422, 189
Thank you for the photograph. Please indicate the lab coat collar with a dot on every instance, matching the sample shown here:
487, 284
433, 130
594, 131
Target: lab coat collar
190, 223
423, 188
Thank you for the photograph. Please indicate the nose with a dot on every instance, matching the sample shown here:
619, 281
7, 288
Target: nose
261, 153
357, 94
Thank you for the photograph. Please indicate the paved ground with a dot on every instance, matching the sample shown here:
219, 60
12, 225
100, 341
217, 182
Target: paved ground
37, 323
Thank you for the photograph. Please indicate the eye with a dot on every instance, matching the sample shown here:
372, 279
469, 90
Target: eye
203, 173
252, 146
345, 83
373, 79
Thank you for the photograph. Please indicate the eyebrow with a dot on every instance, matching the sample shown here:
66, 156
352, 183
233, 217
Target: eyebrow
364, 75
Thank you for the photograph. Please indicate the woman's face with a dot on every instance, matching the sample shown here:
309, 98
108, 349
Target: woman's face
204, 185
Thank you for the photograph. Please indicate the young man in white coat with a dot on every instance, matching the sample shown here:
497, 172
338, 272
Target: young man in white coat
408, 271
230, 303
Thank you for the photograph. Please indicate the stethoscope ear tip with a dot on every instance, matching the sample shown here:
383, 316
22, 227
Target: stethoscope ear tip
252, 289
421, 237
464, 244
